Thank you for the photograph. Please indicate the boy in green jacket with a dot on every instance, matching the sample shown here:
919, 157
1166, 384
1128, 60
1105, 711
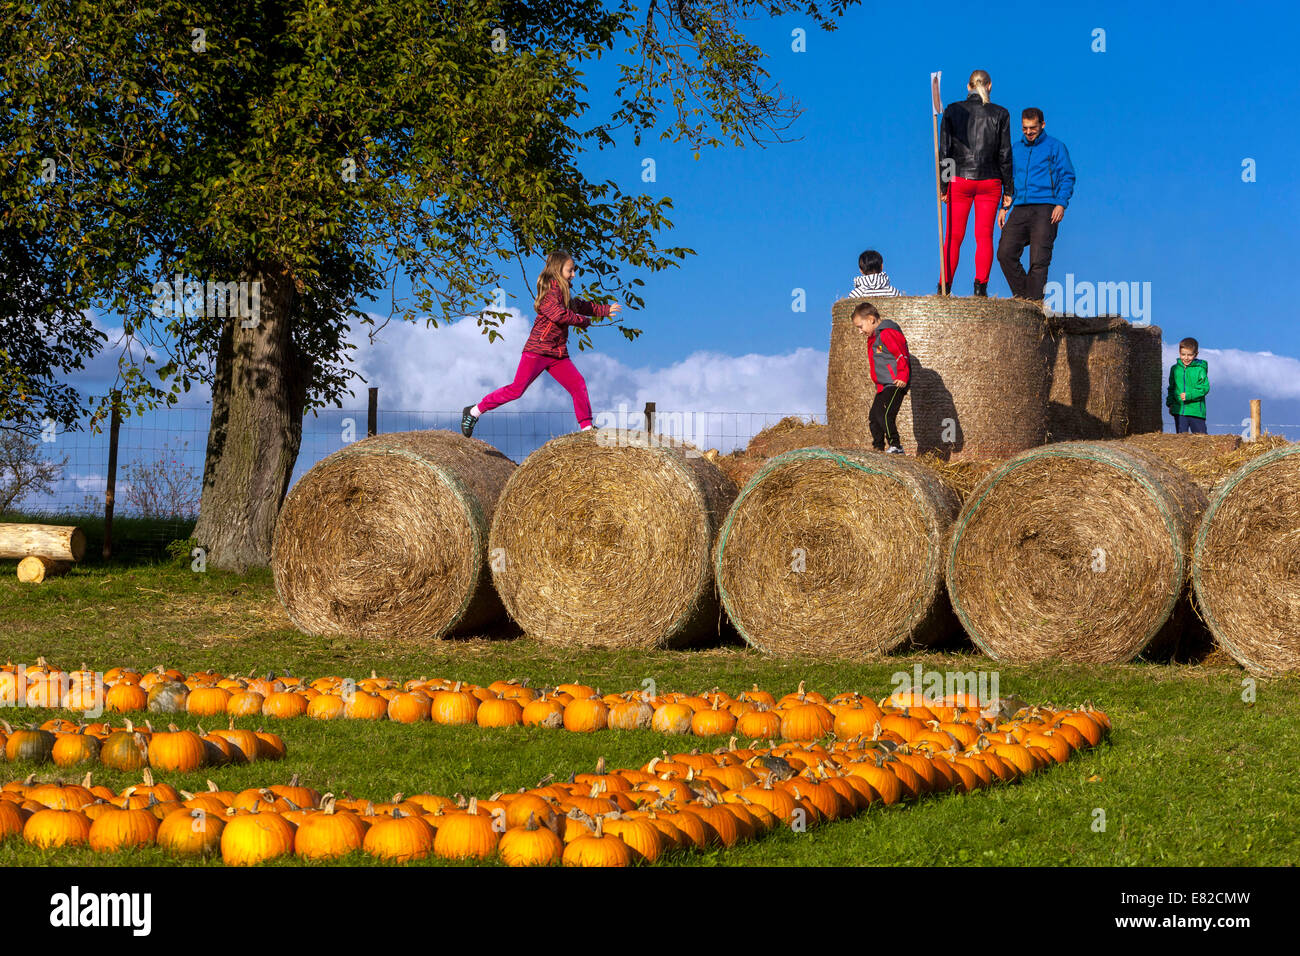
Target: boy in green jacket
1189, 383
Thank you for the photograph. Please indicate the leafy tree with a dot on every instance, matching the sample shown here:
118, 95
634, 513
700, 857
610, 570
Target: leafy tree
24, 470
315, 151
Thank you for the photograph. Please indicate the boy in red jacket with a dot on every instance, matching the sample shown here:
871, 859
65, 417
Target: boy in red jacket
890, 370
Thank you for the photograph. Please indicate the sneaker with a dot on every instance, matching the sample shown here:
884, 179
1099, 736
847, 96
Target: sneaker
467, 422
894, 450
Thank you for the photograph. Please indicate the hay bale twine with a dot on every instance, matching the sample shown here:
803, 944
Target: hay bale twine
1079, 552
1246, 565
1146, 379
388, 538
980, 379
835, 552
788, 434
1090, 392
602, 539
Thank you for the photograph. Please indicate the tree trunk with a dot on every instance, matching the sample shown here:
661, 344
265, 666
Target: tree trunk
258, 397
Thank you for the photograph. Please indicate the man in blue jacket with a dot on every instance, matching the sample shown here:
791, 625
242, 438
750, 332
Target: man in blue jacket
1044, 181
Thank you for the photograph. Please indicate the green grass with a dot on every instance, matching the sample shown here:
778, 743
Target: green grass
1191, 775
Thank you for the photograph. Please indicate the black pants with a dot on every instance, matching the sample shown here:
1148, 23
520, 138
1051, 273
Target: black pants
1030, 225
883, 417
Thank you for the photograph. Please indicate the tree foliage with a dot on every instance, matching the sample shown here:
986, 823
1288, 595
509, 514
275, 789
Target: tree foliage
351, 143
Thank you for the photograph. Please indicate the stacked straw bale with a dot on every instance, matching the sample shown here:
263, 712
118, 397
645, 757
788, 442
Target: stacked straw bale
603, 538
1079, 551
1246, 566
388, 538
1091, 393
1209, 459
981, 376
837, 553
788, 434
1146, 380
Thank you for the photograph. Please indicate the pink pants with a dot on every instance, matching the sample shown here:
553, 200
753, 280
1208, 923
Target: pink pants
984, 195
532, 365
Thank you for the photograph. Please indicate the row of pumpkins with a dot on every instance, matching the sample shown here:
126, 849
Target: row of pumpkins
753, 714
679, 802
132, 748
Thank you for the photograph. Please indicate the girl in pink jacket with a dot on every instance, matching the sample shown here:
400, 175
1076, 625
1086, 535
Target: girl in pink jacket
547, 348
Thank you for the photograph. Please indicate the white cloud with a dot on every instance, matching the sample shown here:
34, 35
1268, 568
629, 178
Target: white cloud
446, 368
1266, 375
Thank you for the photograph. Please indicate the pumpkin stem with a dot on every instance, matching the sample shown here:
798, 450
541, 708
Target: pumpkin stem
532, 822
600, 764
147, 776
473, 806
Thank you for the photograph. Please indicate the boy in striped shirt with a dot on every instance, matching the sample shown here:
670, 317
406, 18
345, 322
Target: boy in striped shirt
874, 280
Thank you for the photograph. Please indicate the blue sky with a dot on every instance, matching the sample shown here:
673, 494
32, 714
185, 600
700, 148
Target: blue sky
1158, 126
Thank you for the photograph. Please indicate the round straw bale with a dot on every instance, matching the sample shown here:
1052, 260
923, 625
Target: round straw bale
980, 376
963, 474
388, 538
1090, 379
1209, 459
602, 539
1076, 552
788, 434
834, 552
1246, 566
1146, 404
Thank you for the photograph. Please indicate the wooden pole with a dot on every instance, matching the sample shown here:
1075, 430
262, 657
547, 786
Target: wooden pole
936, 107
111, 487
650, 417
372, 413
1256, 418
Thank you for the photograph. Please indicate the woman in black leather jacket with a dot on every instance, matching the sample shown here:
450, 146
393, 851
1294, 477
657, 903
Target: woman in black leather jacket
975, 167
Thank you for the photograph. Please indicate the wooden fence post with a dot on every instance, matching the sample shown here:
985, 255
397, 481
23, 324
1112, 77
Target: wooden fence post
113, 429
372, 413
1255, 419
650, 417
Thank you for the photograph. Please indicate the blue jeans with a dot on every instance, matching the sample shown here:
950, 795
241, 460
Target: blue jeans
1189, 423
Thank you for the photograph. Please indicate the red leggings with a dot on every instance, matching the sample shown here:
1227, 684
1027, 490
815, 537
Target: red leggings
532, 365
984, 194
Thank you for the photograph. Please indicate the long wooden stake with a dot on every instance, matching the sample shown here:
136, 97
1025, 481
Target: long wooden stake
936, 107
1256, 419
110, 488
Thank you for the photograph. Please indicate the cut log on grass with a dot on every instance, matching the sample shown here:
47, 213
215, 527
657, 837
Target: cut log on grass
1075, 552
388, 538
58, 542
1246, 566
34, 570
603, 539
841, 553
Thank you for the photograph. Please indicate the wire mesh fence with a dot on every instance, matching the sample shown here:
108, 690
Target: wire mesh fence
161, 455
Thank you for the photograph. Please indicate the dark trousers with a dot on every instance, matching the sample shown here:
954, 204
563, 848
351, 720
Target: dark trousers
883, 417
1192, 424
1030, 225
